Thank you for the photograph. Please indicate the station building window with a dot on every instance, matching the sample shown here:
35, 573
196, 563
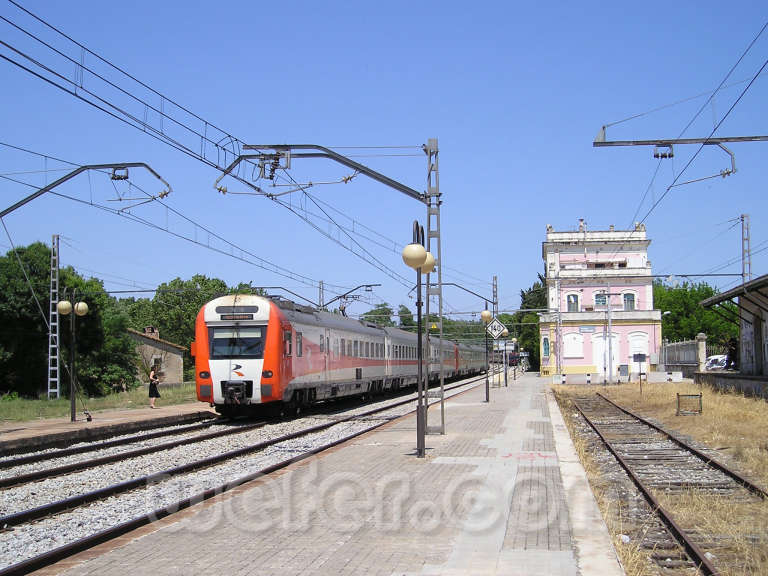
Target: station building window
629, 301
545, 346
572, 302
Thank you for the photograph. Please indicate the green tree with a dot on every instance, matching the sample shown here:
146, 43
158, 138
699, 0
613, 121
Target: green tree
405, 317
23, 327
381, 315
524, 325
104, 354
687, 317
175, 307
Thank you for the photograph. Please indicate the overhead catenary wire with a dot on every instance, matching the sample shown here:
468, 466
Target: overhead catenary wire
109, 107
701, 146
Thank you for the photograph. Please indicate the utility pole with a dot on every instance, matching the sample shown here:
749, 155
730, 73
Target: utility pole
746, 251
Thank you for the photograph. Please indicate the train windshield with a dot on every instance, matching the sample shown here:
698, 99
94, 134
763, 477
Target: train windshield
237, 342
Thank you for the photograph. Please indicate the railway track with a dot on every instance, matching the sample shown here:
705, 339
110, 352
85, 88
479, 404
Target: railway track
666, 469
33, 526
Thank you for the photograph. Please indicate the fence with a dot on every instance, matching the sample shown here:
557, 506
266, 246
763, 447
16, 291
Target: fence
680, 353
687, 357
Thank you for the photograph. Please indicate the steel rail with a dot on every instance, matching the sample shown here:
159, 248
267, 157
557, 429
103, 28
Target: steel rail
67, 550
95, 462
693, 551
32, 458
709, 460
44, 510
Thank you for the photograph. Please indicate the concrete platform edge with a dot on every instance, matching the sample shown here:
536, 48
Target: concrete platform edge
594, 550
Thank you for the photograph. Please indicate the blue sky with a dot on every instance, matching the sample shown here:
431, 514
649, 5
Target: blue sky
514, 92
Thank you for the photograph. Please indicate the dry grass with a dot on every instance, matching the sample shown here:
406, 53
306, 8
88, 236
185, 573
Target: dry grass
739, 529
20, 409
730, 423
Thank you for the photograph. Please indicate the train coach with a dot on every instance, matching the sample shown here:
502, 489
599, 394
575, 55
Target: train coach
253, 350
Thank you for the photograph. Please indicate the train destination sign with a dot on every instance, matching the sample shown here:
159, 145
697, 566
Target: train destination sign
495, 328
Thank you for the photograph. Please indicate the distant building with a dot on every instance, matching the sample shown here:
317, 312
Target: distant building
165, 357
586, 273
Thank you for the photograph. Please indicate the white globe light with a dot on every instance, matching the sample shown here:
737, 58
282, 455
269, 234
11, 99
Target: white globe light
81, 308
414, 255
429, 264
486, 316
64, 307
505, 333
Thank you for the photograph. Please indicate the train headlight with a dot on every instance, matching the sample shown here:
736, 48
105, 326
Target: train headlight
204, 374
266, 374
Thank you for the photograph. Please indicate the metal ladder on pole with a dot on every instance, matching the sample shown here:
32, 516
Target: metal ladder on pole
54, 391
433, 232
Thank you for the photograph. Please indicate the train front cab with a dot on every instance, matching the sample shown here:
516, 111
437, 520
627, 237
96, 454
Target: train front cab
242, 353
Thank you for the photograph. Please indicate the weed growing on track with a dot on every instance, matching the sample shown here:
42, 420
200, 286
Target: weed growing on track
730, 423
739, 528
633, 558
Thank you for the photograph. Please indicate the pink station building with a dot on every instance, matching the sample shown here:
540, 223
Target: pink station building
587, 272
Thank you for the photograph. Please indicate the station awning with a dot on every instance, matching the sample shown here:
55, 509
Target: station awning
755, 292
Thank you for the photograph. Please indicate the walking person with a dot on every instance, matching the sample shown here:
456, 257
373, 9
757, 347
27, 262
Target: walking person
153, 391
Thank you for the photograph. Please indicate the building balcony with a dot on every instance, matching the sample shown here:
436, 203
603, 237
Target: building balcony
579, 275
617, 315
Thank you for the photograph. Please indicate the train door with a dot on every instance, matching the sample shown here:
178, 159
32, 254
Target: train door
326, 333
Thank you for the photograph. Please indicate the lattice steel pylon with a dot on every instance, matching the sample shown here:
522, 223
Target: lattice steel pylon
433, 231
54, 391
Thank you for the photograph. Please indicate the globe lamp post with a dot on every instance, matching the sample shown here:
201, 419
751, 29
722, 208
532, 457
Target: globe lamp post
65, 308
416, 256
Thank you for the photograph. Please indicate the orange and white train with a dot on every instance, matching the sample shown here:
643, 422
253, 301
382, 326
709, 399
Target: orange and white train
253, 350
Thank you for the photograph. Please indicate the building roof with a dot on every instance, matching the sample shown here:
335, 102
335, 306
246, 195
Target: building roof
150, 339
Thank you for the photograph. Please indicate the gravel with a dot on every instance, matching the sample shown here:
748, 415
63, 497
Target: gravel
27, 540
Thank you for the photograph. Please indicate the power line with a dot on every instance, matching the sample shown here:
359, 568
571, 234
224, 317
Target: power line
701, 146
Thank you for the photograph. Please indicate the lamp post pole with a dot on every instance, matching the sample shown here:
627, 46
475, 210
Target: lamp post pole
486, 317
516, 352
417, 257
65, 307
505, 334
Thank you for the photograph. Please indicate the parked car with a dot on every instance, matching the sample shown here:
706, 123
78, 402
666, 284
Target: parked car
716, 362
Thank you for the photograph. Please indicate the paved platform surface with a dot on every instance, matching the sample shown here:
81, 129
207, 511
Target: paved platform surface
15, 435
501, 493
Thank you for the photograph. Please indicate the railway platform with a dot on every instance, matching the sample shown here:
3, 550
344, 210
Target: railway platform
502, 492
55, 432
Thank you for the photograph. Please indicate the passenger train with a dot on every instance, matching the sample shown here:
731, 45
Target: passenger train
253, 350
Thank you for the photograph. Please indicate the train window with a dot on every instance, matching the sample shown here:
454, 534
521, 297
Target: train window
336, 347
287, 340
299, 344
367, 349
322, 343
389, 351
343, 349
242, 342
357, 349
349, 348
